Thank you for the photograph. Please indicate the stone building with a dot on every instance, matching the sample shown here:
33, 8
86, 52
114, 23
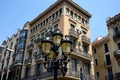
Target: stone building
70, 19
106, 52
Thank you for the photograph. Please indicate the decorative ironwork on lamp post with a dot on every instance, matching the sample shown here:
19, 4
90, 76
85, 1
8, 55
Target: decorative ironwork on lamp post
56, 52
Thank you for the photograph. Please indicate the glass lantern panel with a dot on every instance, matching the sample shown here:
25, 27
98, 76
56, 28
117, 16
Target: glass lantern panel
51, 55
66, 47
57, 40
46, 46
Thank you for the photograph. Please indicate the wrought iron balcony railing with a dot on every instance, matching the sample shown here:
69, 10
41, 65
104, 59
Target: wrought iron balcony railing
18, 62
30, 47
38, 41
74, 33
45, 75
71, 74
38, 58
28, 62
86, 39
82, 54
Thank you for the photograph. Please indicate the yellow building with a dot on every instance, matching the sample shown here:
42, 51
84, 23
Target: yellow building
106, 52
72, 20
114, 36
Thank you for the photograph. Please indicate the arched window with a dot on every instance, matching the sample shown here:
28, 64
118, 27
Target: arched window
116, 31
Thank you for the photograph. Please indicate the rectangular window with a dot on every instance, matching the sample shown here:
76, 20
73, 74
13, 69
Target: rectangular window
38, 69
118, 46
82, 21
67, 11
110, 74
71, 13
74, 41
60, 11
85, 48
30, 55
84, 32
95, 51
75, 16
27, 72
108, 61
57, 14
72, 26
79, 19
97, 74
55, 27
87, 68
11, 45
74, 64
106, 47
96, 62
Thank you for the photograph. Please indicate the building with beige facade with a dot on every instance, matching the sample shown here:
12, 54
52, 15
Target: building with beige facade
11, 51
70, 19
8, 50
106, 52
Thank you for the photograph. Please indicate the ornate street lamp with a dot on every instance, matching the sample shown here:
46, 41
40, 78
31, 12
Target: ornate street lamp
56, 52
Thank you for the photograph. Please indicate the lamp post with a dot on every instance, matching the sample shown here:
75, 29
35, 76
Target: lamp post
56, 52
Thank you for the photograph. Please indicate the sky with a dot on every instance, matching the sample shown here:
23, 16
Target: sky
15, 13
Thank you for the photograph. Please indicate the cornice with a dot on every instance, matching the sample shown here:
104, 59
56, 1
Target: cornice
58, 2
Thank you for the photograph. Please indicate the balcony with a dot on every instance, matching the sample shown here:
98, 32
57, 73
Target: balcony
81, 54
30, 47
86, 39
38, 41
28, 62
74, 33
117, 54
73, 75
116, 37
38, 58
70, 74
117, 76
18, 62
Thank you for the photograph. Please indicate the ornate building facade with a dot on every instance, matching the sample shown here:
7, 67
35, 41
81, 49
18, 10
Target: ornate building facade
70, 19
106, 52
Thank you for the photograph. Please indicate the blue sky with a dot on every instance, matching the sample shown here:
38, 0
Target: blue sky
15, 13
